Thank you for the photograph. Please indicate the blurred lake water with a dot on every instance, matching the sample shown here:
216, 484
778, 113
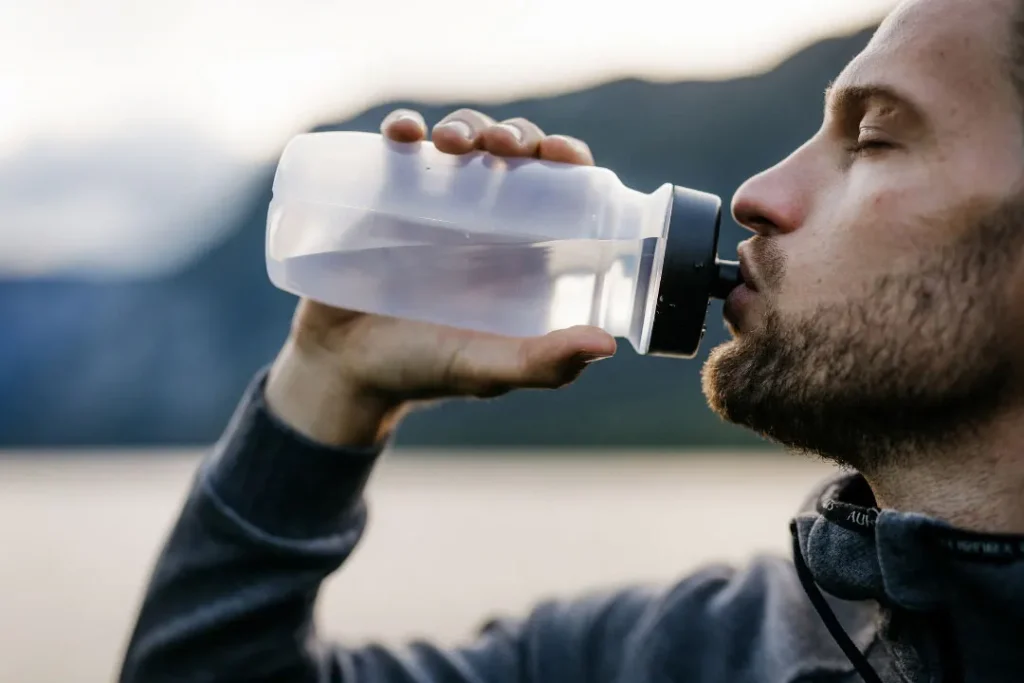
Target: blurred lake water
452, 540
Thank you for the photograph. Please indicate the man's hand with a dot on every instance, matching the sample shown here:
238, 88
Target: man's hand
345, 378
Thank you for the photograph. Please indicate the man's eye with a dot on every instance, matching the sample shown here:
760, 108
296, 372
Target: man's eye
867, 146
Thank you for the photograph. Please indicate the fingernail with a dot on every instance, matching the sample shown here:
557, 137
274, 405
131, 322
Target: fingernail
403, 115
579, 146
460, 128
512, 130
592, 357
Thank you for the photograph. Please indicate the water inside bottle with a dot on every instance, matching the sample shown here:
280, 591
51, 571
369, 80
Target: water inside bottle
517, 285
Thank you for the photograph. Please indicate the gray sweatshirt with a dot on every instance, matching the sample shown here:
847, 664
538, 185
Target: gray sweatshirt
873, 595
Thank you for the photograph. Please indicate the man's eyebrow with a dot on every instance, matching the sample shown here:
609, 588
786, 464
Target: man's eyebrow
849, 98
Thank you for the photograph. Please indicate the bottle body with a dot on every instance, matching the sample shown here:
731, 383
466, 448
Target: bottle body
512, 247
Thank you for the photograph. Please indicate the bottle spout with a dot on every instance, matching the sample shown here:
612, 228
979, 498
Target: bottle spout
728, 277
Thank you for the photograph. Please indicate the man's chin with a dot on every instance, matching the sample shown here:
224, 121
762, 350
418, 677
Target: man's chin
742, 372
720, 377
749, 323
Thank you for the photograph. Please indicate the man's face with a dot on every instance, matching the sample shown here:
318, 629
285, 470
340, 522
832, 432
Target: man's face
889, 256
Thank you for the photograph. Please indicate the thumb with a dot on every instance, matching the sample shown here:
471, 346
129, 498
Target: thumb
496, 365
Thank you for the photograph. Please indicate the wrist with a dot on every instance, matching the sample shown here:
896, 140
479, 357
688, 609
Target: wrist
310, 394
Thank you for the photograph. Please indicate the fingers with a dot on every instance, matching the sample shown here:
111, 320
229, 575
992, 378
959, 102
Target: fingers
566, 150
513, 138
558, 358
467, 130
404, 125
491, 366
461, 131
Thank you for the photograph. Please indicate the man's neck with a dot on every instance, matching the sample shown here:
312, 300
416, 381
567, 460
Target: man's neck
977, 485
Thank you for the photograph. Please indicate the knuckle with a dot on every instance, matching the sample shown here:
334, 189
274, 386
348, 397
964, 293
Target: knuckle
528, 127
520, 121
471, 116
449, 366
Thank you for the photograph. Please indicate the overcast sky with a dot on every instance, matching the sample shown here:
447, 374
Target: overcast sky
202, 88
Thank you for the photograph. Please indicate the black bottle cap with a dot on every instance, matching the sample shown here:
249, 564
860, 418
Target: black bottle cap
691, 274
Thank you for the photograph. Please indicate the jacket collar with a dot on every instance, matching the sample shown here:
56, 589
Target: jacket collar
939, 587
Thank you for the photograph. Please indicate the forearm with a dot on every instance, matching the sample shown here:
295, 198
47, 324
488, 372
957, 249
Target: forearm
232, 595
270, 516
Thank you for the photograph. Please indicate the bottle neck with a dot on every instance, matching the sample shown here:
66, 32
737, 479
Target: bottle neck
637, 215
650, 214
637, 223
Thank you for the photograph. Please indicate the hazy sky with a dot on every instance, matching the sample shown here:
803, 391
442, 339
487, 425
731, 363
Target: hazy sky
251, 70
202, 87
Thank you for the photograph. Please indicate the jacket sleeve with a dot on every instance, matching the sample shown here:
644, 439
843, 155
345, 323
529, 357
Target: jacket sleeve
269, 517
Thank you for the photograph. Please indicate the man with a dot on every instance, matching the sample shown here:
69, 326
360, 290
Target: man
882, 327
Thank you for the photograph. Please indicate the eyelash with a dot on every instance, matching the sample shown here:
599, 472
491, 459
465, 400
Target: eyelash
868, 146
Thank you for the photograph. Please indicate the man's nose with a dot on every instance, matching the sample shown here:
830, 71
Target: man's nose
772, 202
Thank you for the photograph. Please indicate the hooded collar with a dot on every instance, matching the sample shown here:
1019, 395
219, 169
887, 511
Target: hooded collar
946, 594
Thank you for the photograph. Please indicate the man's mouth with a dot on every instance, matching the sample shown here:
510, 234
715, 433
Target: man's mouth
745, 271
744, 297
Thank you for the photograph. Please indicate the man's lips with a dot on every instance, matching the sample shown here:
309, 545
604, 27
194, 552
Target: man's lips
744, 297
740, 300
745, 272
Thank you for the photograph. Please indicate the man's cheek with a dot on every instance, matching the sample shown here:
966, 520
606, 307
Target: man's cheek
835, 262
859, 236
888, 210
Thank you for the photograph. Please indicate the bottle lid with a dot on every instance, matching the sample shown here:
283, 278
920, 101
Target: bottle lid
689, 274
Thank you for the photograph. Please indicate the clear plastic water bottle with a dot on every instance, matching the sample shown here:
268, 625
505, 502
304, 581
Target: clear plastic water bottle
516, 247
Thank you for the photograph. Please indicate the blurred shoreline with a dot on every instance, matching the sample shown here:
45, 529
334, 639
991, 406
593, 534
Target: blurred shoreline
453, 539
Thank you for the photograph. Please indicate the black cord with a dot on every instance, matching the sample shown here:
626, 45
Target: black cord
828, 617
949, 652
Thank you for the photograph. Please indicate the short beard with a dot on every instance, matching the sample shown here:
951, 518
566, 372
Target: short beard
918, 364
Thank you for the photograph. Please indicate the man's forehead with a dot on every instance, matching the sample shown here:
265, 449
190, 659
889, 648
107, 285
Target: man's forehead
925, 14
935, 49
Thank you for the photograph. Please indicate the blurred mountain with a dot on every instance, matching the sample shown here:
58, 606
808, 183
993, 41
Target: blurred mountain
164, 361
140, 201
